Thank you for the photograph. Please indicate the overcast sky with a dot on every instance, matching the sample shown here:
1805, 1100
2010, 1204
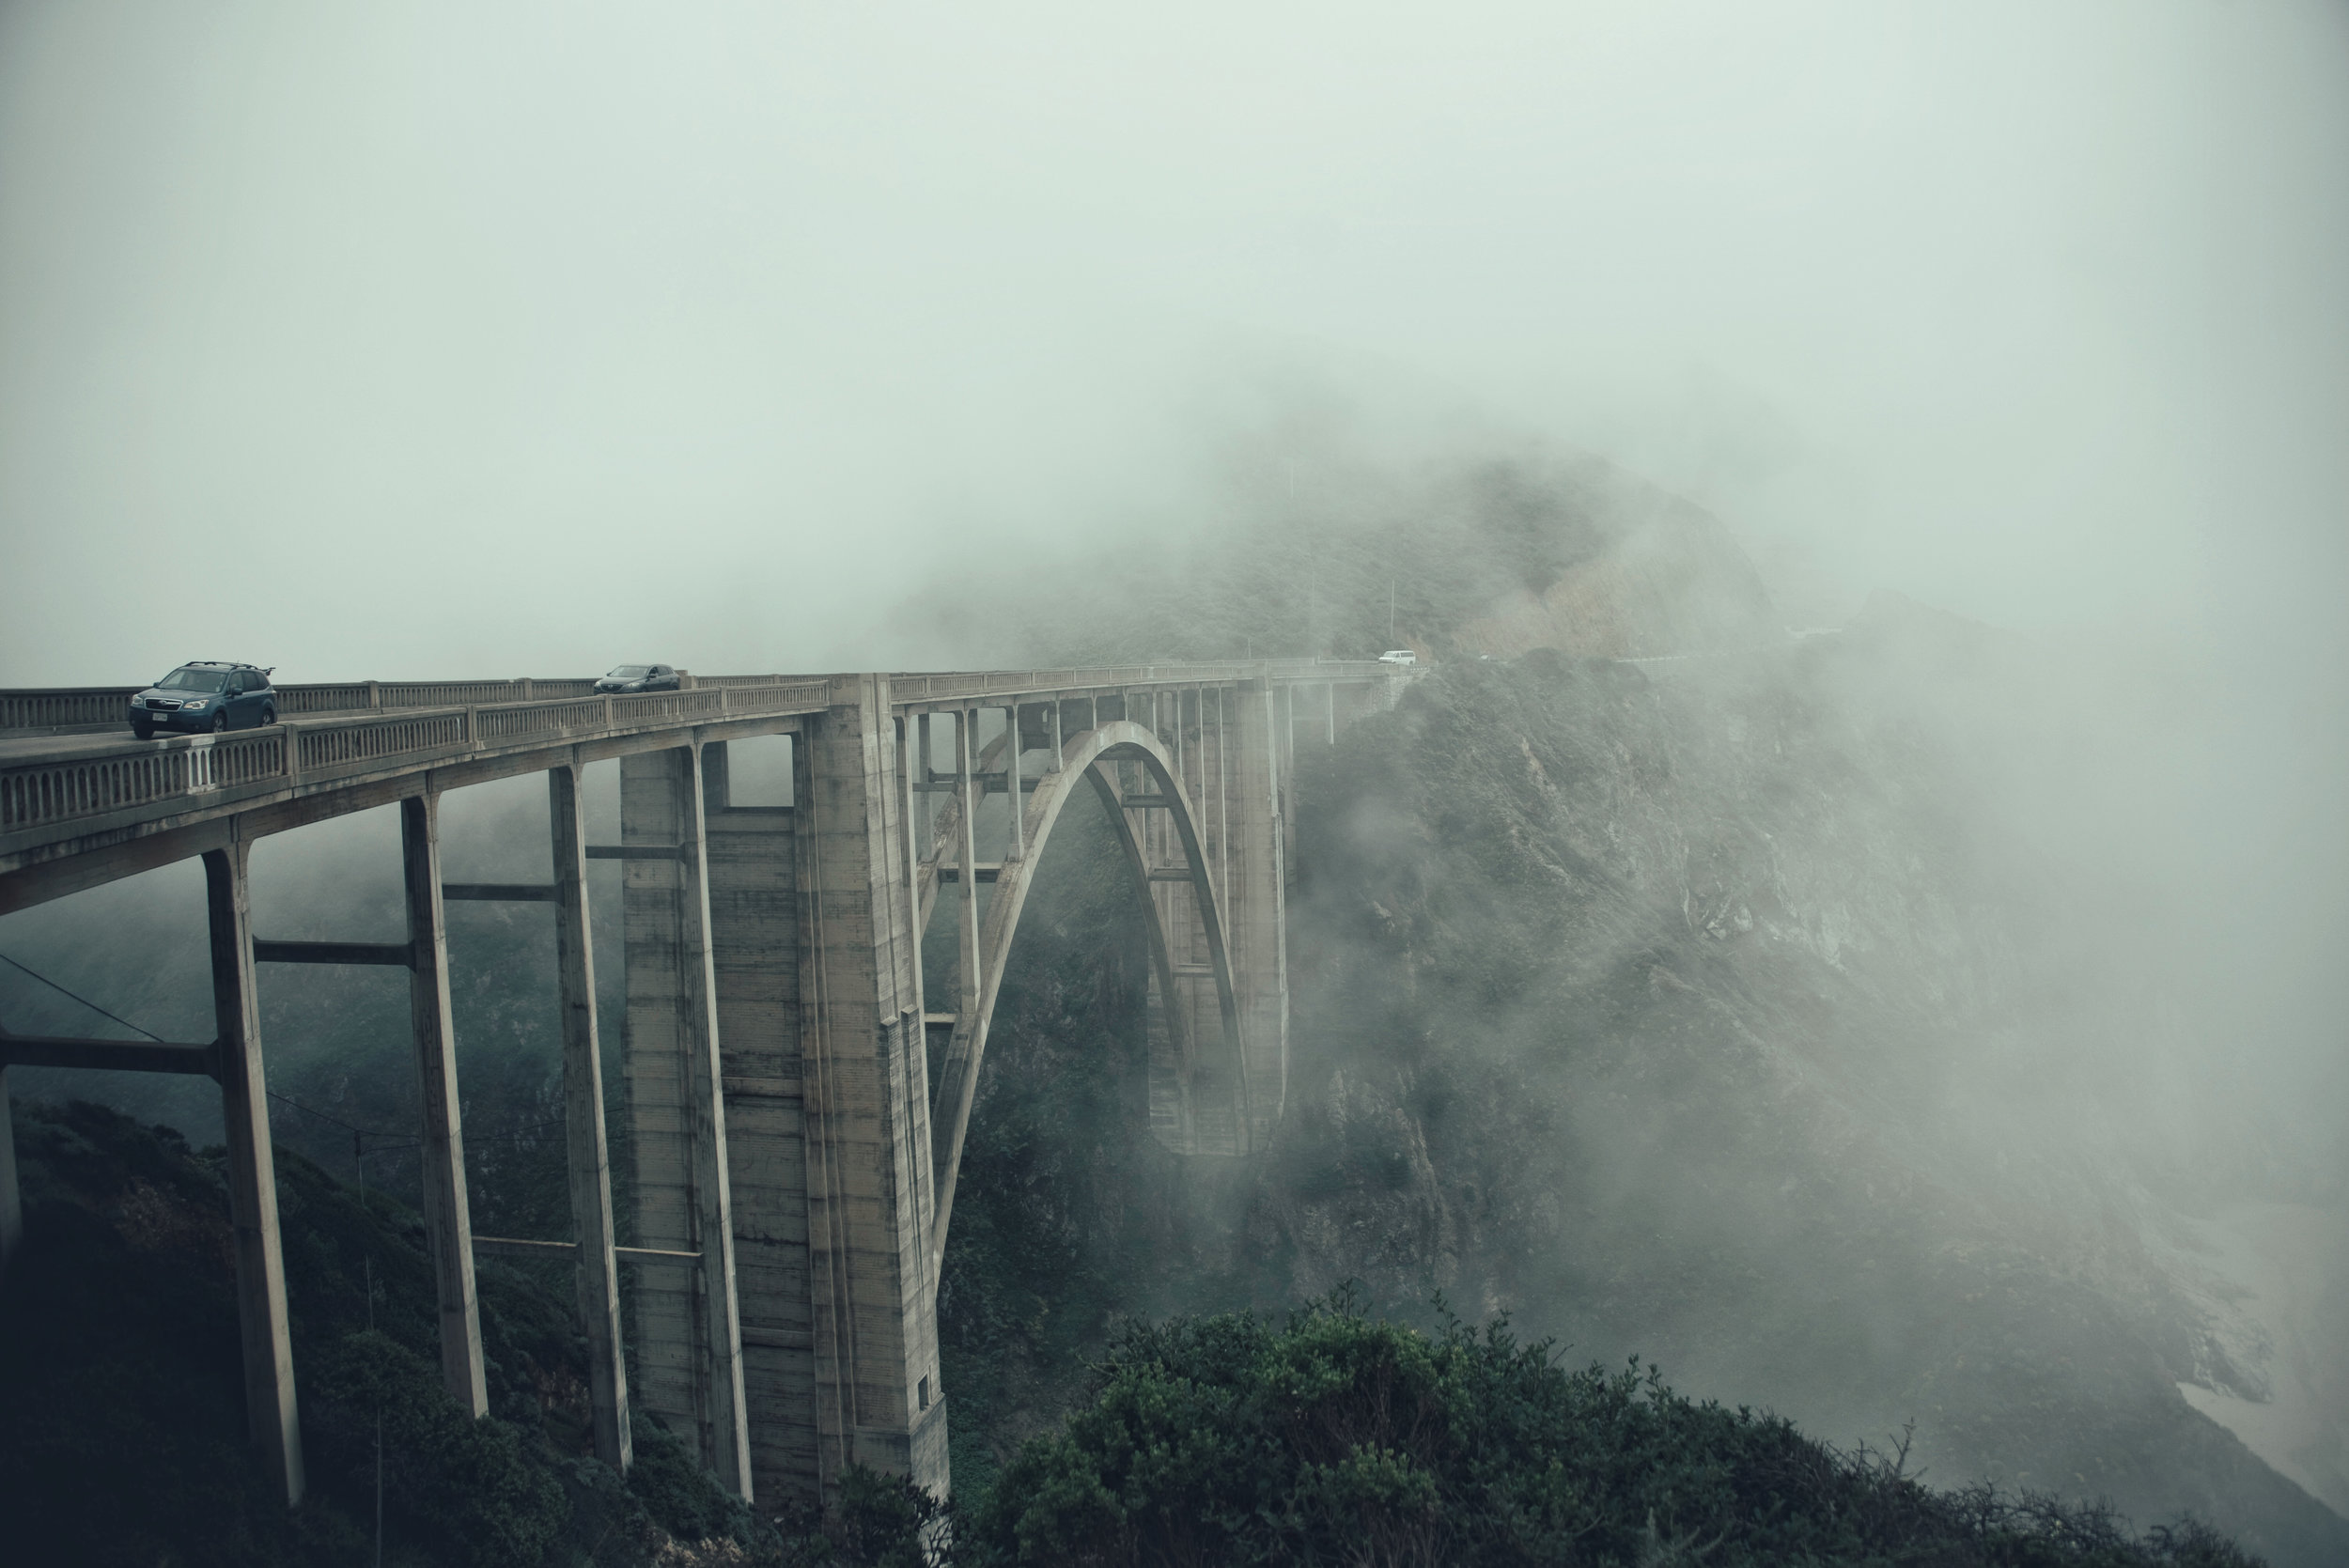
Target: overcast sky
403, 340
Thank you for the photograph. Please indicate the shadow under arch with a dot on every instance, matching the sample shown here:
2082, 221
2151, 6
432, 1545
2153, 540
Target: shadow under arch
1087, 757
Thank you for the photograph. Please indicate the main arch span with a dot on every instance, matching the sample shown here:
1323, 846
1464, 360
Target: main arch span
793, 1161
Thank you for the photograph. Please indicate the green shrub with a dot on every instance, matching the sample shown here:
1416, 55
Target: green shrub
464, 1483
1341, 1438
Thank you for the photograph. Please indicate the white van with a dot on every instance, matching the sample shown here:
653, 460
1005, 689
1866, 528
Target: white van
1398, 655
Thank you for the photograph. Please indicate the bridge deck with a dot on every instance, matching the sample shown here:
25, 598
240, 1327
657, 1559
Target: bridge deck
127, 804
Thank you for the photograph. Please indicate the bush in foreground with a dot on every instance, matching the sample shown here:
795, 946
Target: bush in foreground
1340, 1438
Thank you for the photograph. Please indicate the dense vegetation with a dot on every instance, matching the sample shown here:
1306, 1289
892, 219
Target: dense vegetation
122, 1434
1631, 1000
1338, 1437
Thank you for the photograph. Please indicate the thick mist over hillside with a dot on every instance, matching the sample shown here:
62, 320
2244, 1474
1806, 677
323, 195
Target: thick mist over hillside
1767, 1002
1856, 909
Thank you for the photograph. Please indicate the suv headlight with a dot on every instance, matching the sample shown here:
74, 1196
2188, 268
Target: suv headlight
198, 704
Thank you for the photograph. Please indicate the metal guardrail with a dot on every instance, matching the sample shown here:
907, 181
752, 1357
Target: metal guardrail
55, 791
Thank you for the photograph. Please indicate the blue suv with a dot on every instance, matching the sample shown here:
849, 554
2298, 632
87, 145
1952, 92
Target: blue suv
205, 695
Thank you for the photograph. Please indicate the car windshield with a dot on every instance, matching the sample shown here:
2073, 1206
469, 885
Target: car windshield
194, 680
629, 672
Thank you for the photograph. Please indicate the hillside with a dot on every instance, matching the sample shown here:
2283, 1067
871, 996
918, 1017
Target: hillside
1747, 1009
1769, 1008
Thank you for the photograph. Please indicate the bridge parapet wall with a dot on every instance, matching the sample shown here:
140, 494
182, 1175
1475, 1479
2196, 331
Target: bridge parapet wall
67, 710
43, 797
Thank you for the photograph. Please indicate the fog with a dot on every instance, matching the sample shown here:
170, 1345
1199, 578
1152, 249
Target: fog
456, 341
426, 341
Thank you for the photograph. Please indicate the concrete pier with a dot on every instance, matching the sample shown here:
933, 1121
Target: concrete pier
586, 1150
689, 1345
447, 1218
879, 1398
270, 1417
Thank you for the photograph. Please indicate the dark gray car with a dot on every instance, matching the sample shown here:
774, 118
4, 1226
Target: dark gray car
639, 678
206, 696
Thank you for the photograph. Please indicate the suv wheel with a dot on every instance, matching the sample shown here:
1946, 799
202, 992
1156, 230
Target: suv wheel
220, 722
145, 731
268, 716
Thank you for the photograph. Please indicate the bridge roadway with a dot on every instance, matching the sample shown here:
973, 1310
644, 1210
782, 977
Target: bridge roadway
794, 1151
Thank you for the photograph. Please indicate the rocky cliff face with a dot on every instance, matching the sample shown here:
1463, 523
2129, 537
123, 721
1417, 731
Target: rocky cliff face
1668, 580
1732, 1009
1697, 1015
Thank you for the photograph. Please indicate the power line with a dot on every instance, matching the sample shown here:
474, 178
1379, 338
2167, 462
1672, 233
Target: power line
397, 1137
356, 1132
78, 996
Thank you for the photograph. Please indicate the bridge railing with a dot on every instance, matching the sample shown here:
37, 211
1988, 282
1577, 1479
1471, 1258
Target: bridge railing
93, 708
65, 708
424, 693
44, 794
100, 707
919, 688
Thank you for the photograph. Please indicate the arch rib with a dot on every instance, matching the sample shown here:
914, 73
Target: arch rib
1118, 741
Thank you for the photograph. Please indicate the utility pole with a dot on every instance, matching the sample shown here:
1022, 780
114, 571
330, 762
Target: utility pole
1389, 609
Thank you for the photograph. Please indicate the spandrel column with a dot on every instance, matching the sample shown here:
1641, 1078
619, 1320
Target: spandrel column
447, 1220
270, 1416
597, 1282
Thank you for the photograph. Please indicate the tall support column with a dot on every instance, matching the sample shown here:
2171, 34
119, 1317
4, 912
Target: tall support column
1017, 846
599, 1276
447, 1221
917, 835
1255, 896
870, 1180
728, 1438
11, 1205
270, 1417
753, 853
1284, 767
967, 860
689, 1345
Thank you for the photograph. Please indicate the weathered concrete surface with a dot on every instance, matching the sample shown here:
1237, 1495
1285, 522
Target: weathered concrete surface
271, 1417
587, 1152
755, 932
447, 1223
879, 1398
688, 1346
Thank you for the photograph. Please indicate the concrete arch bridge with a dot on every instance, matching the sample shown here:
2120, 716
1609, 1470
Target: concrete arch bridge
795, 1156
